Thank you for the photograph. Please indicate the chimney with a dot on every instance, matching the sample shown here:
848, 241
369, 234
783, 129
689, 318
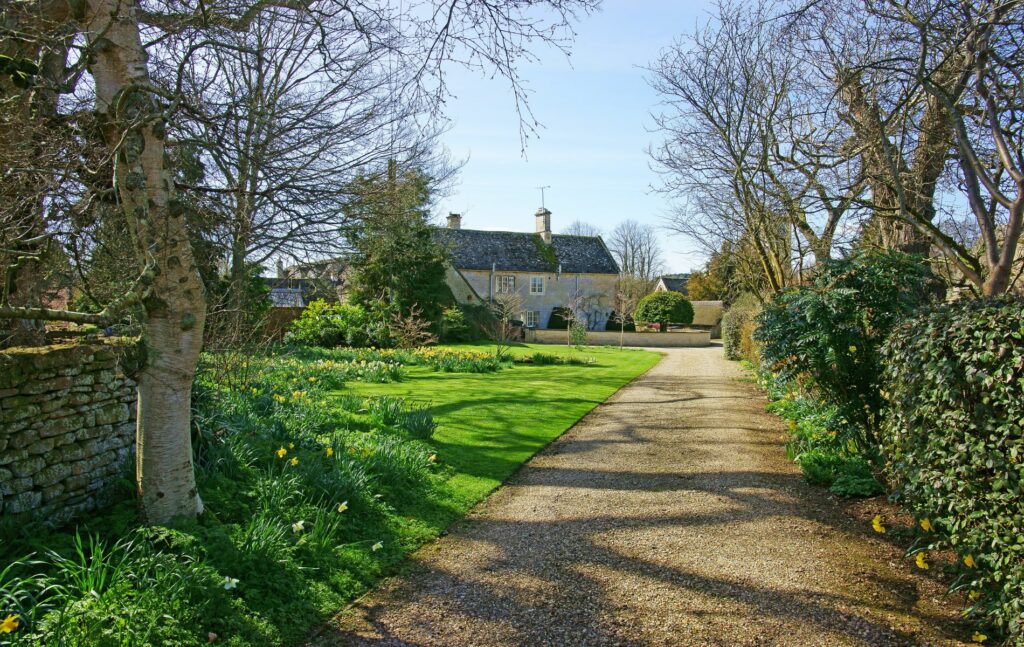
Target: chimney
544, 224
281, 272
454, 220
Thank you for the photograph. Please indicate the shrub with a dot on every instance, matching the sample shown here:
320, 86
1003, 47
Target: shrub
827, 336
560, 318
954, 443
664, 308
329, 325
738, 325
454, 327
613, 323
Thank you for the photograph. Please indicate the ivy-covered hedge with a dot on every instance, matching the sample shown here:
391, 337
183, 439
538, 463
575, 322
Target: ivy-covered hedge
738, 324
954, 443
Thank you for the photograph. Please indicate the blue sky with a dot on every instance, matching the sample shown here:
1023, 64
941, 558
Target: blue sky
594, 110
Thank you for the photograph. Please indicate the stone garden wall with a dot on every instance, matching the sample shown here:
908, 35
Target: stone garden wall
66, 426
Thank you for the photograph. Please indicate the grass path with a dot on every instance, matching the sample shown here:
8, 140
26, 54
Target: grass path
490, 423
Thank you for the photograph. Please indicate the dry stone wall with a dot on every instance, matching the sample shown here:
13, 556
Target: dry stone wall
67, 425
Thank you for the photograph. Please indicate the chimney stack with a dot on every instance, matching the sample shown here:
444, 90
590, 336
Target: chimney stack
544, 224
454, 220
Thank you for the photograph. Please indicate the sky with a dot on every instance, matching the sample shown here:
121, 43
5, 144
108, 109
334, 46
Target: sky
594, 109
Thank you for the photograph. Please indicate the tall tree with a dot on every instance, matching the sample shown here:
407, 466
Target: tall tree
396, 256
637, 250
105, 67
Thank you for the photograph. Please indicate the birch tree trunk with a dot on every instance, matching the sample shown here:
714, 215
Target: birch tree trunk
175, 309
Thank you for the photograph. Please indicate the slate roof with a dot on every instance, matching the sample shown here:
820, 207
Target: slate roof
676, 282
517, 251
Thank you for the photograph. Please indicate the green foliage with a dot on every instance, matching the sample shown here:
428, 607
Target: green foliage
664, 308
617, 325
824, 457
560, 318
738, 325
328, 325
464, 323
954, 444
396, 256
578, 334
828, 336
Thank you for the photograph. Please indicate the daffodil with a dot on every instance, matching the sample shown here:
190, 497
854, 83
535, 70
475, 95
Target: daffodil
974, 595
978, 637
926, 525
294, 461
281, 452
432, 458
230, 583
876, 523
312, 379
299, 526
330, 452
853, 349
279, 398
9, 625
343, 506
377, 546
254, 391
792, 425
922, 561
969, 560
291, 445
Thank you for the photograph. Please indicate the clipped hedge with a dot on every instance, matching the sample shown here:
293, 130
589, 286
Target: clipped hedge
953, 440
738, 325
664, 308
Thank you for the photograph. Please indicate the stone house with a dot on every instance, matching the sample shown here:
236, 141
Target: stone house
544, 270
673, 283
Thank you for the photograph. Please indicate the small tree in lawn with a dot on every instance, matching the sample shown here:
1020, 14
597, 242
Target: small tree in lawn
626, 298
505, 307
664, 308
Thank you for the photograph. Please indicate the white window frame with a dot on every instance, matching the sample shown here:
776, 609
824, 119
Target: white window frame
534, 315
504, 283
543, 284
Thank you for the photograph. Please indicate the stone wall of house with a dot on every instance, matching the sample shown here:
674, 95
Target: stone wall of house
597, 292
66, 425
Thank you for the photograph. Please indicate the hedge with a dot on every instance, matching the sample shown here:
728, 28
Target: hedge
953, 439
738, 324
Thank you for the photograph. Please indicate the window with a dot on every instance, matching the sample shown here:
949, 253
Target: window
532, 318
536, 285
505, 284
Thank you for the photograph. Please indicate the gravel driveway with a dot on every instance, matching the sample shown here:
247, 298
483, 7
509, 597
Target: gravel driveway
668, 516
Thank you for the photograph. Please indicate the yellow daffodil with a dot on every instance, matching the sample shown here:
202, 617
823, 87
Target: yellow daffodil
974, 595
254, 391
926, 525
294, 461
432, 458
9, 625
978, 637
876, 523
377, 546
291, 445
279, 398
853, 349
330, 452
922, 561
792, 425
969, 560
312, 379
298, 526
343, 506
366, 452
281, 452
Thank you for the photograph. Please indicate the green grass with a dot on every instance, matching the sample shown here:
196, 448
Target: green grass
275, 529
490, 423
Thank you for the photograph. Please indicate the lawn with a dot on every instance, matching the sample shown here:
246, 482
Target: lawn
321, 470
490, 423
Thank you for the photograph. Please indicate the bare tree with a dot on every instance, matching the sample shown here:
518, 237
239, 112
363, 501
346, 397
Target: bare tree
505, 308
637, 250
109, 74
627, 295
581, 228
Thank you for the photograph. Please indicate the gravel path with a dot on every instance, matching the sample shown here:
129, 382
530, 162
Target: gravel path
668, 516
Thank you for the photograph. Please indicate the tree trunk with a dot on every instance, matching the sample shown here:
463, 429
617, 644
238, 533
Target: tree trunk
176, 308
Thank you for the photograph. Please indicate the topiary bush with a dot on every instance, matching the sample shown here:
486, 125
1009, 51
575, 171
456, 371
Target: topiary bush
953, 440
738, 325
664, 308
827, 336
